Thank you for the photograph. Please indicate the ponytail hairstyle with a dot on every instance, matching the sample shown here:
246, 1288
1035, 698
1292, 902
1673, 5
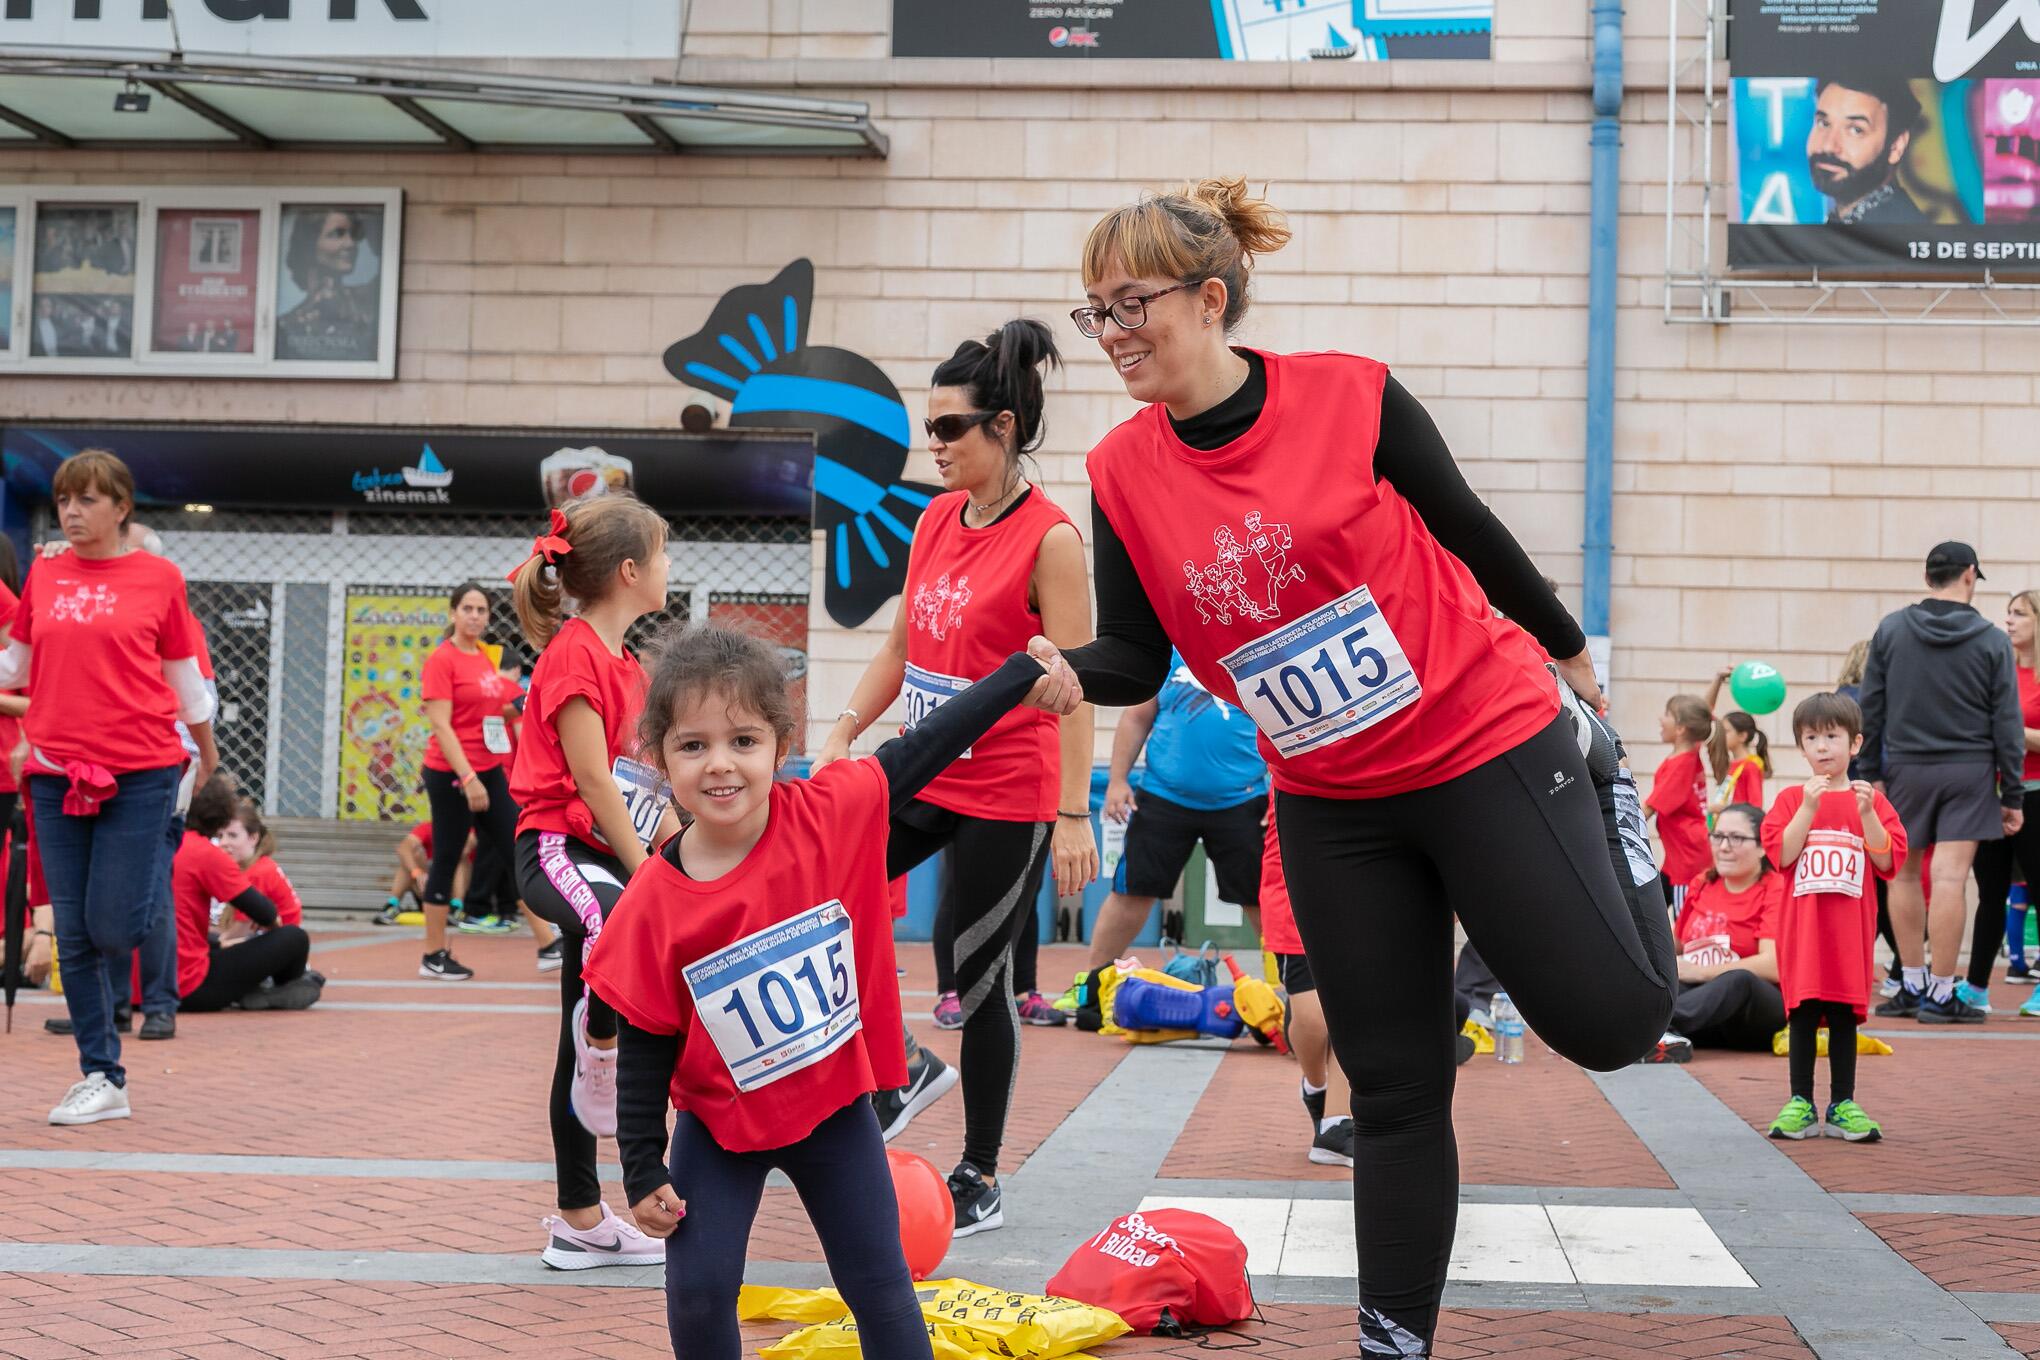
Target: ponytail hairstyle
1755, 816
1212, 229
1689, 714
250, 818
461, 592
1003, 372
1759, 744
602, 533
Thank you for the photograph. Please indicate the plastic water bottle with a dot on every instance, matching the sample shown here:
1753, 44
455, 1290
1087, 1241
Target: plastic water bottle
1508, 1029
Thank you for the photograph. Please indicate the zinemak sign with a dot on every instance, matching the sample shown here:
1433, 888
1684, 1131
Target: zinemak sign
621, 29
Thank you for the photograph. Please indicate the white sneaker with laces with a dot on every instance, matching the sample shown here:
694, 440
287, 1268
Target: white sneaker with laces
594, 1090
91, 1100
612, 1242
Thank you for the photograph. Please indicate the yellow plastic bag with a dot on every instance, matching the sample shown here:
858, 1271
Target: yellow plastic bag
1483, 1042
1144, 1036
1107, 983
1868, 1045
966, 1321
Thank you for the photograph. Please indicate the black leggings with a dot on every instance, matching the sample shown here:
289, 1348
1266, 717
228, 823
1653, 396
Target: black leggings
997, 876
1994, 860
1527, 852
277, 955
840, 1173
452, 819
574, 886
1805, 1023
1026, 948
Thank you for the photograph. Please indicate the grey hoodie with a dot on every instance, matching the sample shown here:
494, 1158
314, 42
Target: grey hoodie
1940, 688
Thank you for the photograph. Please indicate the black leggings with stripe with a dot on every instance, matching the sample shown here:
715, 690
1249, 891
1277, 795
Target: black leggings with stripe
574, 886
995, 875
1526, 851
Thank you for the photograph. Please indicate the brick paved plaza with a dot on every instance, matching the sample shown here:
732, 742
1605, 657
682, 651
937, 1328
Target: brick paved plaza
367, 1179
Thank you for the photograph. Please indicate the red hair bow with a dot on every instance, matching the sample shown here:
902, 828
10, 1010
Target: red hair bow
547, 547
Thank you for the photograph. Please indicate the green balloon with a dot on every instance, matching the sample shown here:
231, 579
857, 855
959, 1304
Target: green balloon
1757, 687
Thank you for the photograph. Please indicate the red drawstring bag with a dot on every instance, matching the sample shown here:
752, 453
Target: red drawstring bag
1162, 1271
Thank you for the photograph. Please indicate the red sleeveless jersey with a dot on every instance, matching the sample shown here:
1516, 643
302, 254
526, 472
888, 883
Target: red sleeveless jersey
1313, 597
967, 611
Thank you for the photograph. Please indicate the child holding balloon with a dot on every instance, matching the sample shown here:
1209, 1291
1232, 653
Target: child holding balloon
1830, 837
1738, 753
748, 959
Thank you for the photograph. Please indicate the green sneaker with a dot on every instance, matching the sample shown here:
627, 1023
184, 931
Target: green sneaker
1797, 1120
1067, 1002
1847, 1120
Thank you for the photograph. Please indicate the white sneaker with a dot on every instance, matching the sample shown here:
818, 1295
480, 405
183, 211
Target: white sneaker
612, 1242
594, 1090
90, 1101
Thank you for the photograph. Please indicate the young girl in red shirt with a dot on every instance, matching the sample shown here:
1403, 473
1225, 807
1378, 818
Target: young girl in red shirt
247, 839
588, 814
1830, 836
751, 961
1678, 795
213, 974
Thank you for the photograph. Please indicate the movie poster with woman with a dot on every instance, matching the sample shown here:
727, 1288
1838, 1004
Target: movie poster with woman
329, 283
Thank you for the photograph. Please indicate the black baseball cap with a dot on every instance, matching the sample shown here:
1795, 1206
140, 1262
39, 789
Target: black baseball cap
1952, 554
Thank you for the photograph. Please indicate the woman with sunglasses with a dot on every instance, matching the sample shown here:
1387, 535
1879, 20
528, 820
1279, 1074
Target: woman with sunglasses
1296, 527
994, 562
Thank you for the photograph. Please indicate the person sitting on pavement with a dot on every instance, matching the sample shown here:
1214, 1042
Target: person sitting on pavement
266, 971
1728, 940
253, 847
414, 862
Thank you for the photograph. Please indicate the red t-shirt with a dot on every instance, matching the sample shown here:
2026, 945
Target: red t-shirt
790, 955
201, 874
10, 728
1746, 782
100, 631
1678, 795
268, 879
967, 611
1302, 590
576, 664
1827, 938
2029, 714
1745, 917
478, 692
1278, 921
423, 831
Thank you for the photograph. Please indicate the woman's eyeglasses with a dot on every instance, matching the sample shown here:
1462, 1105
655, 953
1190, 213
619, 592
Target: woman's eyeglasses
1129, 312
1729, 840
951, 428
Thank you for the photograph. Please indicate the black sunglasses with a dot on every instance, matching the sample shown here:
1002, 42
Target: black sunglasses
951, 428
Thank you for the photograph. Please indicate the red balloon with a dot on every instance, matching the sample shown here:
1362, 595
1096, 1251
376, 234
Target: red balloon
927, 1213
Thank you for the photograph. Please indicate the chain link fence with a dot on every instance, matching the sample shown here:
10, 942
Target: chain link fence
319, 624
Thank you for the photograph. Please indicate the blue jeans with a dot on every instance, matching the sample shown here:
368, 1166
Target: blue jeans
159, 946
841, 1174
104, 874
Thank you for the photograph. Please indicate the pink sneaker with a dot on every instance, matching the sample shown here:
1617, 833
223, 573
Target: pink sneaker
612, 1242
1036, 1009
594, 1090
949, 1011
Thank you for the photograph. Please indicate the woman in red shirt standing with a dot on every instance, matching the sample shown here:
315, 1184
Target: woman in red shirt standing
590, 812
467, 701
104, 638
1295, 525
994, 562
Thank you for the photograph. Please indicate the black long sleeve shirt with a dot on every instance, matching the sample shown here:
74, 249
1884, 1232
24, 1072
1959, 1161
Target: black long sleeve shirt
911, 761
1130, 659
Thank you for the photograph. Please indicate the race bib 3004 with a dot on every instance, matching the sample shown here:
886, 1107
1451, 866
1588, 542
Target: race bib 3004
781, 999
1831, 862
1335, 671
924, 691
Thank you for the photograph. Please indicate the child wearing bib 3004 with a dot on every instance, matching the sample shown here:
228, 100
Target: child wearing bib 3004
1829, 837
749, 962
588, 813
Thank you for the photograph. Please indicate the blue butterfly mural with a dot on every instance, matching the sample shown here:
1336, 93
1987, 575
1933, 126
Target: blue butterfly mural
754, 351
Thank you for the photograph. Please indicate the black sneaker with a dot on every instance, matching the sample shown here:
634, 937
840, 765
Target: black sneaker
388, 915
979, 1205
1901, 1007
1953, 1011
159, 1025
2019, 971
123, 1021
443, 967
926, 1084
300, 993
1333, 1146
1670, 1048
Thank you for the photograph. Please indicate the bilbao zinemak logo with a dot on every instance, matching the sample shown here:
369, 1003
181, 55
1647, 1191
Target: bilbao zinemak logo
1961, 44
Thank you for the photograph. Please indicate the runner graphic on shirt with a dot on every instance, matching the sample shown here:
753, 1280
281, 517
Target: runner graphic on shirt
84, 604
1220, 588
938, 608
